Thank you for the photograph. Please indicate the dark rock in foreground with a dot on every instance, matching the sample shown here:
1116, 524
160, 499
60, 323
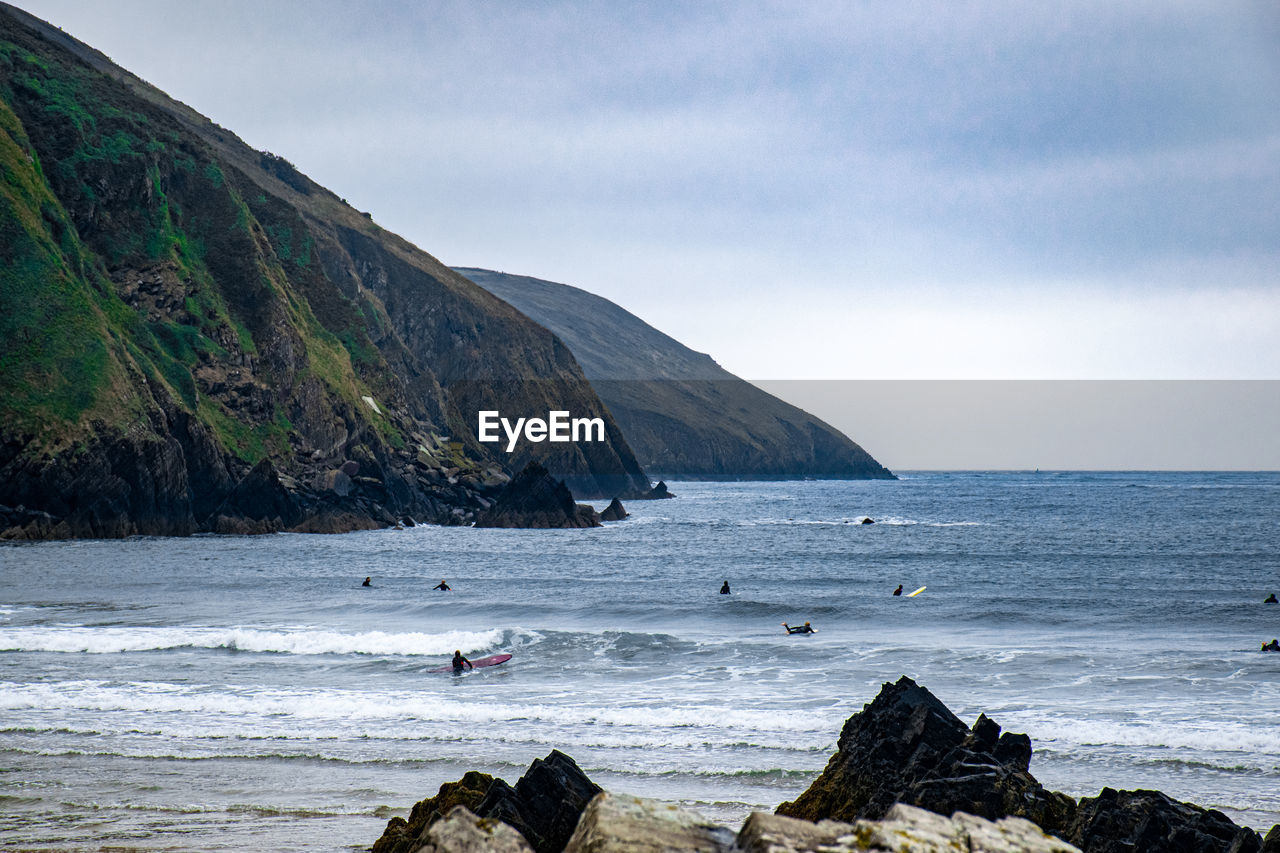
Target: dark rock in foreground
536, 499
1149, 821
615, 511
403, 836
907, 747
904, 829
545, 804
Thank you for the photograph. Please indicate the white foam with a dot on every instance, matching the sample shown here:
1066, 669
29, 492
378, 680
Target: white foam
300, 641
255, 710
1218, 736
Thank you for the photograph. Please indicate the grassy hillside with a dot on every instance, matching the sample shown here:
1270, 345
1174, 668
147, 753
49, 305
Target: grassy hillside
178, 308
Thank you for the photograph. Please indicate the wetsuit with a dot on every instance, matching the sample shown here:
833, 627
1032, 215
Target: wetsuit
799, 629
724, 590
898, 591
443, 587
367, 582
459, 662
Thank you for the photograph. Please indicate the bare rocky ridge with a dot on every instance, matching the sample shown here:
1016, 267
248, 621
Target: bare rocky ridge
684, 415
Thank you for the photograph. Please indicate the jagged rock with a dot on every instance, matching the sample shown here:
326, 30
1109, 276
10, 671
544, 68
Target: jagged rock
867, 521
657, 493
1271, 844
545, 803
618, 823
905, 829
258, 504
615, 511
403, 836
536, 499
906, 746
1151, 822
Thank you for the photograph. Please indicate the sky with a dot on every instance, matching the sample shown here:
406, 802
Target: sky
968, 190
1053, 425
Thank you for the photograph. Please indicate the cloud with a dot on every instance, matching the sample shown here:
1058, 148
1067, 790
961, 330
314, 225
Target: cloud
1105, 159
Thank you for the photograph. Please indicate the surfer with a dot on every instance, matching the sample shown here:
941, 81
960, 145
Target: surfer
367, 582
459, 661
442, 586
898, 591
806, 628
1270, 599
1273, 646
724, 590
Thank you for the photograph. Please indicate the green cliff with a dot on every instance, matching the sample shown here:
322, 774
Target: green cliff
195, 336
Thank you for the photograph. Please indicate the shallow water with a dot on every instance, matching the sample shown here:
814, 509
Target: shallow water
224, 693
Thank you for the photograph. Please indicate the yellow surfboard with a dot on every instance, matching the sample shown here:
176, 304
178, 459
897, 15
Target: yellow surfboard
917, 592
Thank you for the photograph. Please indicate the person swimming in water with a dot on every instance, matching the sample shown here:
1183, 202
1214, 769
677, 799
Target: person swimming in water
1273, 646
898, 591
442, 586
806, 628
459, 662
367, 582
1270, 599
724, 590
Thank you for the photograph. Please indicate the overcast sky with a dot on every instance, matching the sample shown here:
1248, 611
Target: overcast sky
803, 190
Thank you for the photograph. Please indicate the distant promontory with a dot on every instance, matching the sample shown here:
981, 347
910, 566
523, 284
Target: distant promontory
683, 415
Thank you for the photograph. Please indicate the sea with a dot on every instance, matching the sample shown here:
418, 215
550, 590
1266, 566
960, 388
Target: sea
234, 693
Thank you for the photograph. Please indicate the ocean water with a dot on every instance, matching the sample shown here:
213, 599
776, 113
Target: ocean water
234, 693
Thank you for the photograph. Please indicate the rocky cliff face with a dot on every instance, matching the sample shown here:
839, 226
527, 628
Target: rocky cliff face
178, 308
684, 415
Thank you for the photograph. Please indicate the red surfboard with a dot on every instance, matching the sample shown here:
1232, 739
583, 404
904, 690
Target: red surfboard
491, 660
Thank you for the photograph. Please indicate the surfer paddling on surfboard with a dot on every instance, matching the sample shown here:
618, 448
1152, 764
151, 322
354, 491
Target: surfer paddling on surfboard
806, 628
478, 663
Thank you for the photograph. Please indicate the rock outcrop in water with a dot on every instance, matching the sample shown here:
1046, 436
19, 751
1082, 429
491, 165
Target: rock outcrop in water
534, 498
657, 493
615, 511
